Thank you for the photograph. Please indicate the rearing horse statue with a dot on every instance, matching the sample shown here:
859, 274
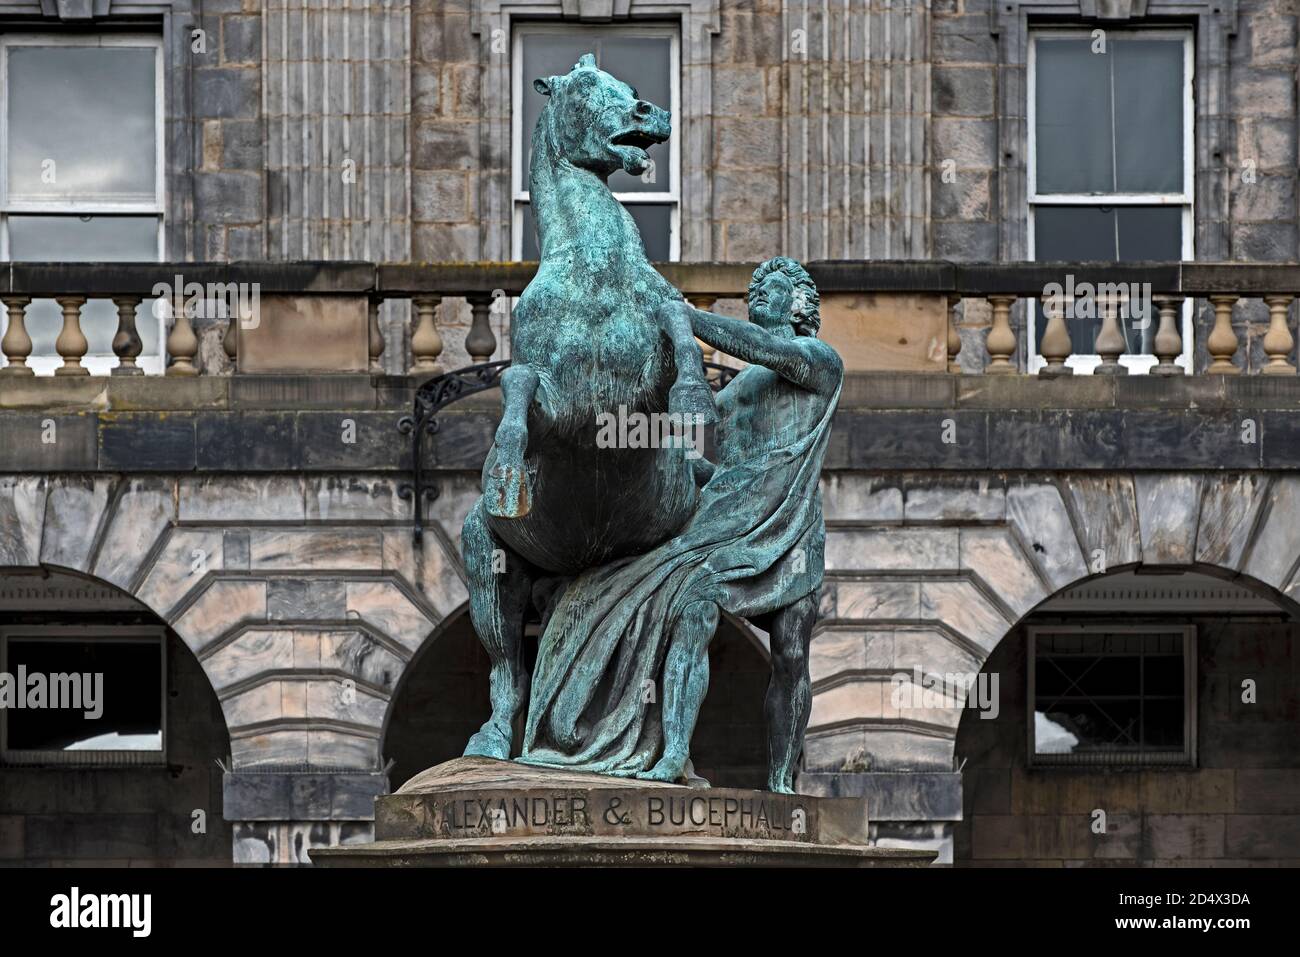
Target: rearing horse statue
585, 340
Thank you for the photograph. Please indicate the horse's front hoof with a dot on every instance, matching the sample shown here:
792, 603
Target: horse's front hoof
693, 398
507, 494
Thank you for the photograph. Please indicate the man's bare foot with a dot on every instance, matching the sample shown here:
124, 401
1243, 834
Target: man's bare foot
489, 742
670, 768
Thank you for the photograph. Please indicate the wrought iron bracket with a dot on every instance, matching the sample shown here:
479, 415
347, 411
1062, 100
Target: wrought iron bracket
441, 391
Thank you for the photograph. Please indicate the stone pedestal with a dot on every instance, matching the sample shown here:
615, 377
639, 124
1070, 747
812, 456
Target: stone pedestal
474, 812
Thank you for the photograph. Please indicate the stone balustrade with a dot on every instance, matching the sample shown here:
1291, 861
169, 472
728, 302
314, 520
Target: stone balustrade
918, 316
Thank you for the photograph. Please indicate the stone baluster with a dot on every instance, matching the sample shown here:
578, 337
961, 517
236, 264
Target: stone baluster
1110, 340
1056, 346
1169, 339
704, 304
182, 344
954, 335
126, 344
17, 344
481, 341
71, 344
426, 341
230, 341
1222, 342
375, 335
1001, 342
1278, 341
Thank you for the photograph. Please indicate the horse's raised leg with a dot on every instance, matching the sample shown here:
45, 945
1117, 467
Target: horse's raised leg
690, 394
505, 489
499, 587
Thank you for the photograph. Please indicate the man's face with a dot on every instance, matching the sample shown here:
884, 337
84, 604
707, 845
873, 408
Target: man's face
772, 304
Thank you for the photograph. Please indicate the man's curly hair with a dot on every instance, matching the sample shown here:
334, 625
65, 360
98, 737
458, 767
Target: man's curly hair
807, 303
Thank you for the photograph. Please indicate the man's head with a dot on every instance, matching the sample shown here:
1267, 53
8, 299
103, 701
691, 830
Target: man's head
781, 293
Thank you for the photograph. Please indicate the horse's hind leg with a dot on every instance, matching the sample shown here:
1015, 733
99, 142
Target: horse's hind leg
690, 394
505, 488
499, 588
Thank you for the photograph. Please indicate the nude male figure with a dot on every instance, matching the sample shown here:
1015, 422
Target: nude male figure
781, 396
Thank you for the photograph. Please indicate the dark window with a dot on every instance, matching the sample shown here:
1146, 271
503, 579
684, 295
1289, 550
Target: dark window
1112, 696
94, 699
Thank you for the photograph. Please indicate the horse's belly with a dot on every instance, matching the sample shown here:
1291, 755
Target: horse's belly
588, 509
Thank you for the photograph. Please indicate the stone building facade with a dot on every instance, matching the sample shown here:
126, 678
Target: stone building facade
258, 525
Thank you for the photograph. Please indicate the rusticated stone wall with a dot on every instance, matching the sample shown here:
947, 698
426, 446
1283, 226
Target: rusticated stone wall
933, 572
1240, 806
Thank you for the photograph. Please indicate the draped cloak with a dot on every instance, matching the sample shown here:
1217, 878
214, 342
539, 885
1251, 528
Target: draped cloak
755, 544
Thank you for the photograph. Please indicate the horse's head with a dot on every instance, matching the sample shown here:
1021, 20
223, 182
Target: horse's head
598, 122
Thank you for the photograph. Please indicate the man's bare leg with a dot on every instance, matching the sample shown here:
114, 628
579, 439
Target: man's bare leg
686, 681
789, 695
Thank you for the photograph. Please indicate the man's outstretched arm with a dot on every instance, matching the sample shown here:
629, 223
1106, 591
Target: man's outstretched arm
804, 360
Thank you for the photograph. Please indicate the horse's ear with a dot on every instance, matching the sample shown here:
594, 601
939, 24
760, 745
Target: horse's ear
542, 86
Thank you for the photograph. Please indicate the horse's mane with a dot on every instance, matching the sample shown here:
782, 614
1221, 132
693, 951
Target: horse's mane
548, 163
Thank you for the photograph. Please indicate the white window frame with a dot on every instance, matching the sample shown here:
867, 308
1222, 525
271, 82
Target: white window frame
156, 207
152, 363
1114, 759
1135, 364
519, 176
142, 634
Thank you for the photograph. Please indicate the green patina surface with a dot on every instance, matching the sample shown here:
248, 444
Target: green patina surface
628, 554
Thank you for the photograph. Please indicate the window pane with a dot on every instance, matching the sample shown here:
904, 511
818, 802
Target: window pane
1106, 234
641, 61
1072, 117
1148, 76
654, 220
1109, 121
1099, 692
81, 123
1075, 234
1150, 233
83, 238
119, 679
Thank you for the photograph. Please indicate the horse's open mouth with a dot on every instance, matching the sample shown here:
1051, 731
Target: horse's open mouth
641, 139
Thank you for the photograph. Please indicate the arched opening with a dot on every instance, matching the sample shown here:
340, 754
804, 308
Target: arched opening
110, 732
1142, 717
442, 699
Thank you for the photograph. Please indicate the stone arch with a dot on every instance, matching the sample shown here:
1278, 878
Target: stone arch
139, 812
946, 566
302, 596
415, 737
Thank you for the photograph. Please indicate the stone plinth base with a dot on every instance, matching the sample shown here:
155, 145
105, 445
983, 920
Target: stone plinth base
478, 812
